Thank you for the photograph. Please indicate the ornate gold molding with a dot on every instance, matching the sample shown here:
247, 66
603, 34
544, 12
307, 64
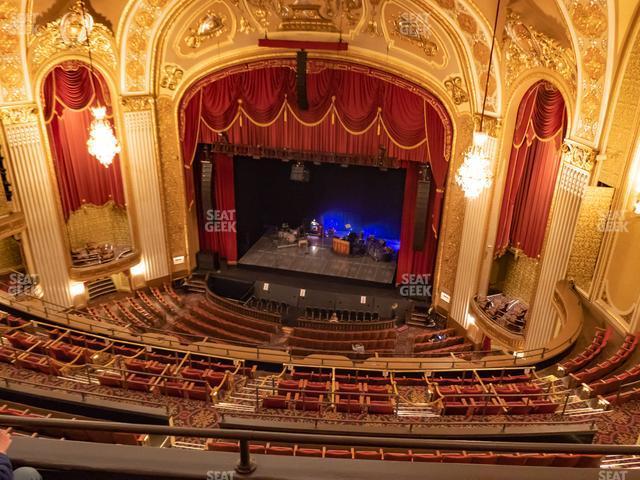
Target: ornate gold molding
490, 125
19, 114
48, 41
136, 103
211, 25
578, 155
455, 86
171, 76
414, 31
13, 26
12, 224
526, 49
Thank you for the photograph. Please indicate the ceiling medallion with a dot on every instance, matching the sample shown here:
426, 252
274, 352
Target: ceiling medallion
210, 26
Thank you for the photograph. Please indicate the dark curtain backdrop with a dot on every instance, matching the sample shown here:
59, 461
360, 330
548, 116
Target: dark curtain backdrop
69, 93
533, 169
351, 111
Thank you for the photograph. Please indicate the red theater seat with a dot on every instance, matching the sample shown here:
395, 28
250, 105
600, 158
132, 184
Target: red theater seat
279, 402
338, 454
368, 454
427, 457
276, 450
398, 456
308, 452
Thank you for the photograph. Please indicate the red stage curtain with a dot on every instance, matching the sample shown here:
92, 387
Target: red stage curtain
68, 95
352, 110
224, 238
533, 168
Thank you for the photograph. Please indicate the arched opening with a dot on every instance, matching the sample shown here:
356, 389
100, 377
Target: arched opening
356, 117
92, 196
534, 162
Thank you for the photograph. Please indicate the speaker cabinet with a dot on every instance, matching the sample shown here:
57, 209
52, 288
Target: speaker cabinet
422, 209
301, 80
206, 192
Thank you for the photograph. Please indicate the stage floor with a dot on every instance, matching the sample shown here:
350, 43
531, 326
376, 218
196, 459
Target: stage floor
318, 259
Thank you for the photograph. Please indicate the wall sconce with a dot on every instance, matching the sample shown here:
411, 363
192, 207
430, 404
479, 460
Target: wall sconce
76, 289
636, 206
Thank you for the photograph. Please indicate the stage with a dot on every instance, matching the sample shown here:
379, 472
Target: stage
318, 259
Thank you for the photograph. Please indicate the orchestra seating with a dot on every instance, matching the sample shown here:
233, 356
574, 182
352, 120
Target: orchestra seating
596, 346
327, 451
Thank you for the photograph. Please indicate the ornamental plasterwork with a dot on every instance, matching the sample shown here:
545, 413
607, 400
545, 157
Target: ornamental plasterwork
455, 86
137, 103
171, 76
306, 15
577, 155
13, 26
479, 41
47, 41
589, 17
414, 31
525, 49
20, 114
212, 25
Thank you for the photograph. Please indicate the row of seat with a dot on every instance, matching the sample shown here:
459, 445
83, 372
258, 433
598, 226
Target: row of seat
244, 329
612, 363
615, 382
239, 318
529, 459
437, 344
594, 349
311, 344
430, 335
196, 327
342, 403
354, 336
496, 406
456, 348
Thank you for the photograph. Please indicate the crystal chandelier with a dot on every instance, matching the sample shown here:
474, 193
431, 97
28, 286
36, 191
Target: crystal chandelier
475, 175
102, 142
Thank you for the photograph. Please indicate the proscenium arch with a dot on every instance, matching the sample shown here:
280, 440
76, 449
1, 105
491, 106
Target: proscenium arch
456, 122
159, 29
39, 77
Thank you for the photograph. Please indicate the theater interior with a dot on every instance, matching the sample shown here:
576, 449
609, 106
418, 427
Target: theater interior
314, 239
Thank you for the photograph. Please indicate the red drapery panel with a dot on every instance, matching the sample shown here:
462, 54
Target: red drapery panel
533, 169
69, 93
218, 228
352, 110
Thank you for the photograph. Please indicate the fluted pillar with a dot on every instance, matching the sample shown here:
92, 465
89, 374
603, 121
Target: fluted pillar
472, 246
37, 196
145, 183
575, 171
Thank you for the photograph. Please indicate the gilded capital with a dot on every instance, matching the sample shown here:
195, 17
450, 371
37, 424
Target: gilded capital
490, 125
578, 155
19, 114
137, 103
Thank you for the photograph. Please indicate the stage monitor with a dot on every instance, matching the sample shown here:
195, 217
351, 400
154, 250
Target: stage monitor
299, 173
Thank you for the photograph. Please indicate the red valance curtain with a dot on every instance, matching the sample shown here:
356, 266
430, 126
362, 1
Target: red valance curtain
68, 95
352, 110
218, 229
533, 169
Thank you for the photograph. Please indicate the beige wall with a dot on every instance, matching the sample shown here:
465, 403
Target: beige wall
105, 224
10, 256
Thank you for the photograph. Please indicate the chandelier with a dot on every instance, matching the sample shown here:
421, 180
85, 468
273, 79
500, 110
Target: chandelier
75, 28
475, 174
102, 143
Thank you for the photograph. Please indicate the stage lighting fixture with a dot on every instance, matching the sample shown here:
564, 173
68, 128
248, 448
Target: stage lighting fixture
299, 173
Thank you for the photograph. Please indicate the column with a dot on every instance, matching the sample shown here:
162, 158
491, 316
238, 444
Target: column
472, 247
39, 202
145, 183
575, 171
